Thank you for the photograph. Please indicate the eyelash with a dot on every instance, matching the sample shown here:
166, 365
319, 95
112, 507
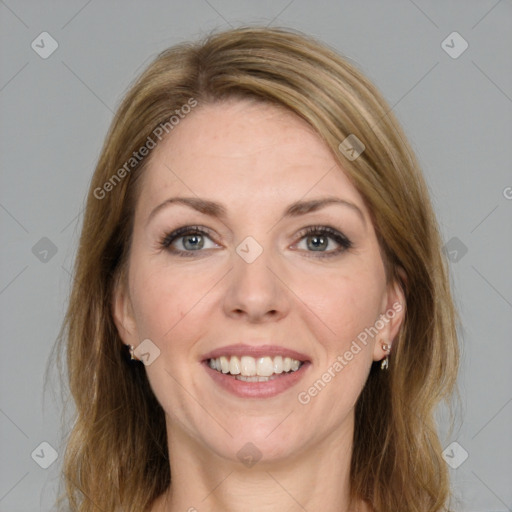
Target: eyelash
334, 234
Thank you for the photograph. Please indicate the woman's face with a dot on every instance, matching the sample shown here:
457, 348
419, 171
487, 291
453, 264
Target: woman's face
261, 269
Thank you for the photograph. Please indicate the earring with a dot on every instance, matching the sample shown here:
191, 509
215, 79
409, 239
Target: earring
132, 353
385, 362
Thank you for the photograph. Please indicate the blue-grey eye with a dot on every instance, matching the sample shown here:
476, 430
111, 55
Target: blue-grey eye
324, 240
318, 242
192, 242
187, 239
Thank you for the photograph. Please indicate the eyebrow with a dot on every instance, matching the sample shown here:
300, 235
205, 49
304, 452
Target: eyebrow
217, 210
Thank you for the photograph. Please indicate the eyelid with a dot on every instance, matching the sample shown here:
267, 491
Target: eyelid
322, 228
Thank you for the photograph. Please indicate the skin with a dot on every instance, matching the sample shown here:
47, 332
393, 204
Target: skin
256, 160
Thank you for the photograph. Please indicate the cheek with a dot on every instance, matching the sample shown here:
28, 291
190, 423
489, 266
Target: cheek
159, 300
167, 299
346, 301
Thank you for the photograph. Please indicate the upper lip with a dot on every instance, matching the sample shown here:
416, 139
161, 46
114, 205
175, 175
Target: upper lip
255, 351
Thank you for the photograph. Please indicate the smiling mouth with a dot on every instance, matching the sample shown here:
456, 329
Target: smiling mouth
255, 369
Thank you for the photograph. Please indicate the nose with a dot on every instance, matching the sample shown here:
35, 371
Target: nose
256, 291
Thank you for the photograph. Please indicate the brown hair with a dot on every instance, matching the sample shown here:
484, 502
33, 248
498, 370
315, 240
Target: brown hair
116, 455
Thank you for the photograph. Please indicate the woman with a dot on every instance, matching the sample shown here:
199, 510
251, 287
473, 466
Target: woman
260, 316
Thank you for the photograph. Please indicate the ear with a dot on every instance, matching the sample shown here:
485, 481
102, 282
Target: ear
392, 315
122, 312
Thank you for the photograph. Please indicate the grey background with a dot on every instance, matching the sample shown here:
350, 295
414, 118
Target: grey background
55, 112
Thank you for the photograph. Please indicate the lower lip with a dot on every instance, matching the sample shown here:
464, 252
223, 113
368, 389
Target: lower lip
266, 389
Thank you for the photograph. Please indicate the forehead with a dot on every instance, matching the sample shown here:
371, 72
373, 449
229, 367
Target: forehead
249, 152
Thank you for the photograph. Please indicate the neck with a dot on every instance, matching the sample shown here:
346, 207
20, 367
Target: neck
317, 478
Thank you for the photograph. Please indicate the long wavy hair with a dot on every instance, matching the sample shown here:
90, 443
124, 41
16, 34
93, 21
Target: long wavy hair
116, 454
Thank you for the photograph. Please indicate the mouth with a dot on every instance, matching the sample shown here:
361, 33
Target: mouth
255, 372
252, 369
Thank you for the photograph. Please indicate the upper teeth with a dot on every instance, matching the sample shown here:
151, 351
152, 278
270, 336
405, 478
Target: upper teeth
249, 366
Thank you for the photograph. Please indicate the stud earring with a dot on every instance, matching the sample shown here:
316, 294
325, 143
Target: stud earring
385, 362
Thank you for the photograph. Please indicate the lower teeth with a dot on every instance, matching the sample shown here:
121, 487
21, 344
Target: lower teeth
257, 378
